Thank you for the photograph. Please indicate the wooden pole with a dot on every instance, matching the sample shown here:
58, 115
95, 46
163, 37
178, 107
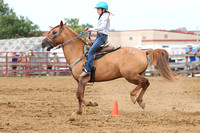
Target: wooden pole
186, 65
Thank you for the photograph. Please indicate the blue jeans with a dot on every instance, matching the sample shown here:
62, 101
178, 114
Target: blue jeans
100, 40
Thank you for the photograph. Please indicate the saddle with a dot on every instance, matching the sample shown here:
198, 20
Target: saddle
103, 50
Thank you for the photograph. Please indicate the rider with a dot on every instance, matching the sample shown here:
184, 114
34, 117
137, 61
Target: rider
102, 29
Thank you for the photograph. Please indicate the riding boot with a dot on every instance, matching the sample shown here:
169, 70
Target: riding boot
85, 73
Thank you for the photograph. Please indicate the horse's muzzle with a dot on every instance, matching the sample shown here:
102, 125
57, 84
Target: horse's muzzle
46, 44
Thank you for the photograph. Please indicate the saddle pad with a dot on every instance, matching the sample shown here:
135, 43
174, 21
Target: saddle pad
104, 53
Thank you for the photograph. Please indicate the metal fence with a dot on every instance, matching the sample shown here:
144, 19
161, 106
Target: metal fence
52, 64
33, 64
181, 65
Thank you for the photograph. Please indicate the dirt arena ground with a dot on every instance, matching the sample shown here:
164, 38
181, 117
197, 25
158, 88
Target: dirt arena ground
45, 104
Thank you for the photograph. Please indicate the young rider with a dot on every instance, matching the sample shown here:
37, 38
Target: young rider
102, 29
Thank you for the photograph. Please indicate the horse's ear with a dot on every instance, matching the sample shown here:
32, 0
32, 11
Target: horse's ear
61, 23
65, 23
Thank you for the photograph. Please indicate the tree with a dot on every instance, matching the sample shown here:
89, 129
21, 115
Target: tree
12, 26
74, 24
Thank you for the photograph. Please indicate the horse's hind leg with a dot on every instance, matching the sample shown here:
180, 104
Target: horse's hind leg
145, 84
142, 83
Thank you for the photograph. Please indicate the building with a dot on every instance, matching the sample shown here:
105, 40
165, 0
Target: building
141, 38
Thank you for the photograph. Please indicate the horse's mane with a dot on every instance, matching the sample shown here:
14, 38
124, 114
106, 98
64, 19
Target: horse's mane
73, 32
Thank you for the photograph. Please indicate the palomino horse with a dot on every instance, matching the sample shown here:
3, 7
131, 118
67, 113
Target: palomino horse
127, 62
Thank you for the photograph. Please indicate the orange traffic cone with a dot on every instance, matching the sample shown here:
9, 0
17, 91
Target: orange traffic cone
115, 111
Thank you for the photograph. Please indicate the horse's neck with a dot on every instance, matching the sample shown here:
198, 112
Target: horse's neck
73, 50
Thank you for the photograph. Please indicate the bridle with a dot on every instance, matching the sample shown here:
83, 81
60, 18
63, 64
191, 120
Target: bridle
55, 35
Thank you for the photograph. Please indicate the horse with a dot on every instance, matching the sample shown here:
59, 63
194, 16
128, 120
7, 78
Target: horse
127, 62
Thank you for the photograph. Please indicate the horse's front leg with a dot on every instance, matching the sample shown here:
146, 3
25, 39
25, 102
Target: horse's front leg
80, 95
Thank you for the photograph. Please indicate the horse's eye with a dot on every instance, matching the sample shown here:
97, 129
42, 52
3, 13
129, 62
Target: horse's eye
54, 32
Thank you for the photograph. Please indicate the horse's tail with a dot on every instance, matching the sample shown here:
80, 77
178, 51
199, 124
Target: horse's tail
159, 58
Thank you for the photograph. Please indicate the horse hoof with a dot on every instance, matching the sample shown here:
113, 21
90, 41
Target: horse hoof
134, 100
92, 103
95, 103
142, 105
75, 114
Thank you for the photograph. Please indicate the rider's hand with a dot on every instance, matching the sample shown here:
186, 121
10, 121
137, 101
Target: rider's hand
88, 29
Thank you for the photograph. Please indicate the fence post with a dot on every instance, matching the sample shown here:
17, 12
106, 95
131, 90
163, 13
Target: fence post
39, 64
29, 66
186, 65
26, 65
21, 65
47, 63
67, 71
6, 64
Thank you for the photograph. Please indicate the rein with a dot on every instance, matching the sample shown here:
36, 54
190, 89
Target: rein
81, 34
80, 58
60, 45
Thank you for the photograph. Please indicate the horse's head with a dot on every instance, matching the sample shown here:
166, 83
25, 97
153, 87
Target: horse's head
54, 37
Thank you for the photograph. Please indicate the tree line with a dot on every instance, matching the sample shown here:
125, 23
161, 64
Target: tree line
14, 26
